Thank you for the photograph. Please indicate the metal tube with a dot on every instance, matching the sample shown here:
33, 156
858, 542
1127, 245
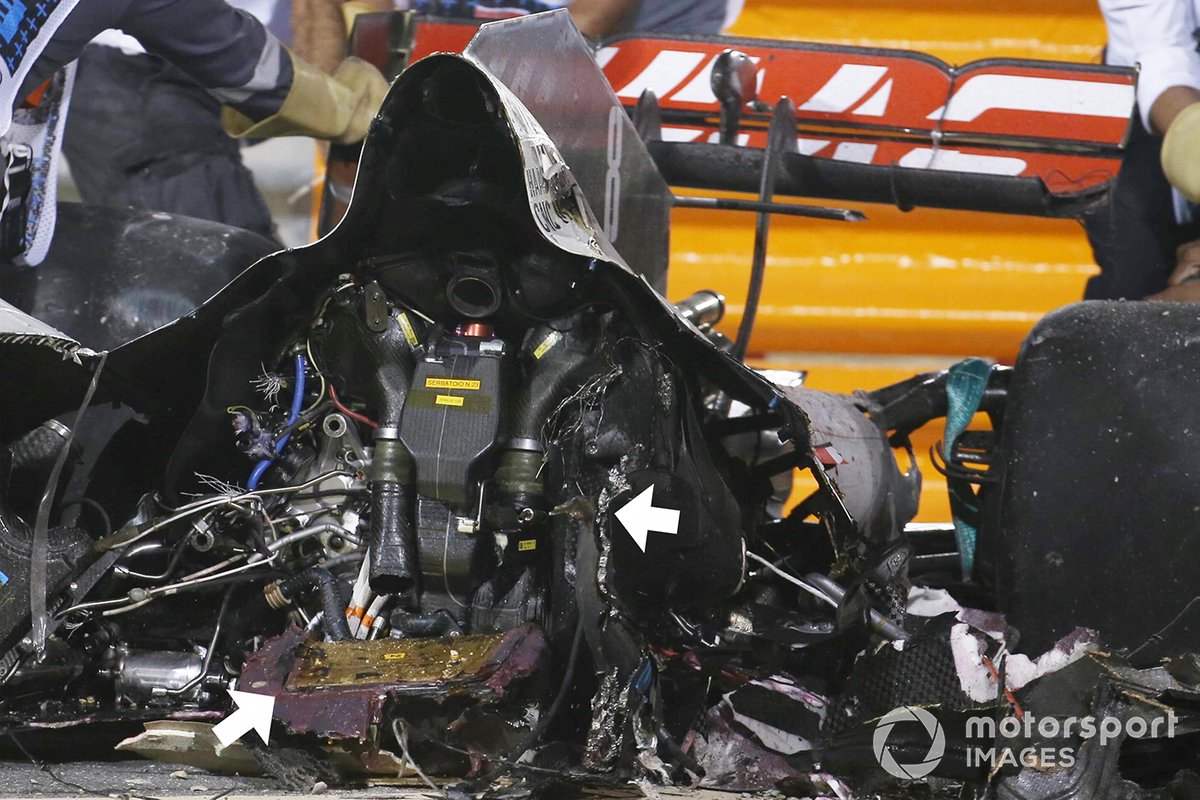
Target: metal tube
879, 623
758, 206
703, 309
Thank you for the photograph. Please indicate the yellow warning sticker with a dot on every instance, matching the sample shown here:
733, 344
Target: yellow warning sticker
453, 383
547, 344
525, 545
450, 400
406, 327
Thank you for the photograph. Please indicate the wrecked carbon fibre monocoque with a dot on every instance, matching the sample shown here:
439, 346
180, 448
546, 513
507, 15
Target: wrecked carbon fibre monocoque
456, 483
458, 422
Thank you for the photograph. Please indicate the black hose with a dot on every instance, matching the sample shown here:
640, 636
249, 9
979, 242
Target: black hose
675, 752
37, 450
783, 128
333, 605
560, 366
33, 459
559, 370
394, 563
387, 357
563, 690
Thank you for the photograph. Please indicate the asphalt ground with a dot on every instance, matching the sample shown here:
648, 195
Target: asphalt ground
133, 778
147, 780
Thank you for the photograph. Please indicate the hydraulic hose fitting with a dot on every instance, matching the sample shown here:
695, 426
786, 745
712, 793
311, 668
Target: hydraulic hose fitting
391, 462
520, 466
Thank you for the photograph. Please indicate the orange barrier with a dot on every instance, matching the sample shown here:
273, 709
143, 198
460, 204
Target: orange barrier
927, 282
956, 31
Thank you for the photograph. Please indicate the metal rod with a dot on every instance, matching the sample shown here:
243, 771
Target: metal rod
757, 206
837, 593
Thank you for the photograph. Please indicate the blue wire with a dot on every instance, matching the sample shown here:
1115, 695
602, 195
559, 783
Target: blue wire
297, 403
257, 474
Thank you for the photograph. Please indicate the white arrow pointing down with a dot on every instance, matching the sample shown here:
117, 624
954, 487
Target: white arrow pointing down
253, 713
640, 516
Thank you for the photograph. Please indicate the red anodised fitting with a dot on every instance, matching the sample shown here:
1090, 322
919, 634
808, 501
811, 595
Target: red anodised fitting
474, 330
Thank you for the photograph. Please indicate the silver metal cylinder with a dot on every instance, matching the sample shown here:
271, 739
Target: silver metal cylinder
144, 675
704, 308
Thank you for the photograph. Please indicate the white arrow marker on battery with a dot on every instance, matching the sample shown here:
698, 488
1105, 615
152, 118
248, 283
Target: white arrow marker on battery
253, 713
640, 516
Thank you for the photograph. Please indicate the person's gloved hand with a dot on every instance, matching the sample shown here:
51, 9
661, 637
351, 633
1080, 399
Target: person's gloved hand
369, 87
337, 107
1184, 283
352, 8
1181, 153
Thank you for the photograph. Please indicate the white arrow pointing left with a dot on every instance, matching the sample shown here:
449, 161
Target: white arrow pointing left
640, 516
253, 713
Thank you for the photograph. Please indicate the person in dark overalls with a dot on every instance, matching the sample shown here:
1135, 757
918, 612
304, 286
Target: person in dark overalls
264, 91
1145, 239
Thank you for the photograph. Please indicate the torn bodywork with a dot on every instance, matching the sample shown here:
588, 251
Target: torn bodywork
449, 431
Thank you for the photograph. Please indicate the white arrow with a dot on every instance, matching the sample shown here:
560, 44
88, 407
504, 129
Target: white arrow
640, 516
253, 712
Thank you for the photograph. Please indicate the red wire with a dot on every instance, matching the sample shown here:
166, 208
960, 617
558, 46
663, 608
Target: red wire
351, 414
1020, 713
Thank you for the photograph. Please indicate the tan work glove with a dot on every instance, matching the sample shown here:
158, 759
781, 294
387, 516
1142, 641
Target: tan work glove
1184, 283
337, 107
1181, 153
352, 8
